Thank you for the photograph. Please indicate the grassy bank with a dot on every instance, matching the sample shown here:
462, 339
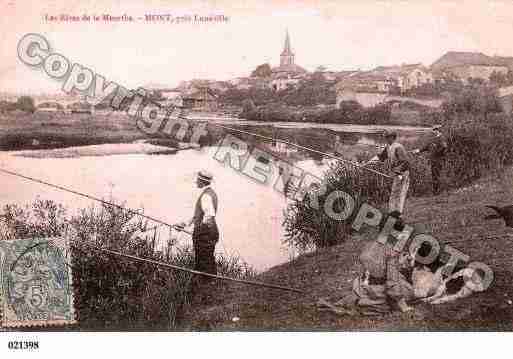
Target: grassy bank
44, 130
456, 217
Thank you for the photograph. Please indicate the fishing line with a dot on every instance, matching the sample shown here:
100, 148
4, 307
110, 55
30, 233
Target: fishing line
12, 173
303, 148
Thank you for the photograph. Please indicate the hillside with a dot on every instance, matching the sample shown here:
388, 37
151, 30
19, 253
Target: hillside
456, 217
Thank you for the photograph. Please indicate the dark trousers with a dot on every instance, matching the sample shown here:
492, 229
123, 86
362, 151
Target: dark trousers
204, 240
436, 172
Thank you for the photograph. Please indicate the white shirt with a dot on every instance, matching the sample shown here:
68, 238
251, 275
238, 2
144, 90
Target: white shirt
207, 205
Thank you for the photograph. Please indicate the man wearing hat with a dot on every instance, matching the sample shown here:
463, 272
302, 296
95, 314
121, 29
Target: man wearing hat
436, 148
396, 158
205, 233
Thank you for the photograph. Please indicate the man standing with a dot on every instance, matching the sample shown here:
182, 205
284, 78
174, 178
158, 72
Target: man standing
437, 148
337, 147
205, 233
396, 159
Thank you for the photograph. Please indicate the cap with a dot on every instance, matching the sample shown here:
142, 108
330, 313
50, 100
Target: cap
205, 176
389, 133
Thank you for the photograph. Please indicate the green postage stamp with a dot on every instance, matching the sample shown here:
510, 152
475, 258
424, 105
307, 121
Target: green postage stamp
35, 282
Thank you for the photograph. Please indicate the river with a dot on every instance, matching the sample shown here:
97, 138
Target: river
348, 128
250, 214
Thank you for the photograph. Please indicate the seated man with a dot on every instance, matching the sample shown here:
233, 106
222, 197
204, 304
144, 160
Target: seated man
382, 285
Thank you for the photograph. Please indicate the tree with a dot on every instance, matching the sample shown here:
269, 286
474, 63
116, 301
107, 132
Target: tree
263, 70
248, 106
498, 78
26, 103
472, 101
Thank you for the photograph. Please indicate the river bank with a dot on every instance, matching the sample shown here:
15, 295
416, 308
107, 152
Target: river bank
138, 147
329, 272
39, 131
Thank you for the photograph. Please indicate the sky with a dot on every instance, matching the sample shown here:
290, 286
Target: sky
340, 35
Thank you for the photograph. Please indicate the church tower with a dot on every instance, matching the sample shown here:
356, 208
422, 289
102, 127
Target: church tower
287, 56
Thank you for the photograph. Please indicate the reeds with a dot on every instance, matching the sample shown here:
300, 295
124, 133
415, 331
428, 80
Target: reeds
113, 293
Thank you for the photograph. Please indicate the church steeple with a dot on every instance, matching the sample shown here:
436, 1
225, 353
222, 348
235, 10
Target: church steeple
287, 56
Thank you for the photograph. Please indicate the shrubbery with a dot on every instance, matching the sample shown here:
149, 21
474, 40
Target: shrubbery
111, 292
348, 112
309, 227
479, 144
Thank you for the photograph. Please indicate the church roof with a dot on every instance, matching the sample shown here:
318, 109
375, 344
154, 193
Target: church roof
287, 51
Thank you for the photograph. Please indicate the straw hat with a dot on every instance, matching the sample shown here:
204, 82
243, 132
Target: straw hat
205, 176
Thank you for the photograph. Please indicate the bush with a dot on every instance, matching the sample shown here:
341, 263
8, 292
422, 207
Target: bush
308, 227
110, 292
477, 148
348, 112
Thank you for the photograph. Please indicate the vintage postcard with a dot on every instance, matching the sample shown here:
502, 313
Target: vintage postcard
256, 166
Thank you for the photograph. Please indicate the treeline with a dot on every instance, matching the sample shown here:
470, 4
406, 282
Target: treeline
347, 112
311, 92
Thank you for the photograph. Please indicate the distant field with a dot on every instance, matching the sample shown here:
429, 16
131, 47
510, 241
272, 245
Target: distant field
49, 130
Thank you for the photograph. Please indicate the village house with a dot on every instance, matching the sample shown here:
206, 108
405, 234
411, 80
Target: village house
171, 97
245, 83
384, 84
469, 65
406, 76
200, 98
281, 81
367, 88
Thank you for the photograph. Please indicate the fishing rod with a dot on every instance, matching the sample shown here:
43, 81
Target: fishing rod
129, 210
81, 245
192, 271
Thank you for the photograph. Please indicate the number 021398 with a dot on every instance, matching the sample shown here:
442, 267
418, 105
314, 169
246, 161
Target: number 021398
23, 345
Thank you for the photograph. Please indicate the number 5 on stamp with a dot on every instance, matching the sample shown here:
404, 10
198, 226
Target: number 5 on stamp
35, 283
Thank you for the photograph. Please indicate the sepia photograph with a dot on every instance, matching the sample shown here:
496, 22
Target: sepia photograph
248, 166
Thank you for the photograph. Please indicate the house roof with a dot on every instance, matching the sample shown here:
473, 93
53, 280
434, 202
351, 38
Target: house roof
455, 58
398, 70
363, 81
346, 74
